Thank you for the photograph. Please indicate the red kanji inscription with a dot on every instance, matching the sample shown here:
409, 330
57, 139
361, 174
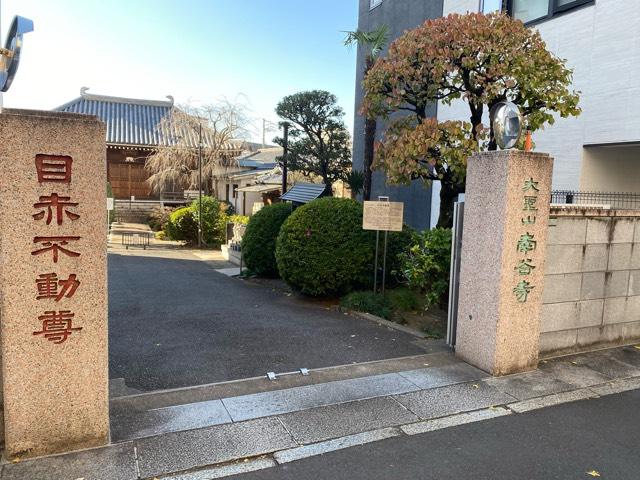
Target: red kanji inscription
49, 286
57, 326
53, 168
55, 203
55, 245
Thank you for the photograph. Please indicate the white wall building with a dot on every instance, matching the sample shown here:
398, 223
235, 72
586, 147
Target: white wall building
600, 40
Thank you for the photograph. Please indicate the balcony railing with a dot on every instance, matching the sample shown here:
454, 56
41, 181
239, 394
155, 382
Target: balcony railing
614, 200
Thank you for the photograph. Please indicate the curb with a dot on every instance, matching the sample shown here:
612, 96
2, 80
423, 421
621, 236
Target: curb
386, 323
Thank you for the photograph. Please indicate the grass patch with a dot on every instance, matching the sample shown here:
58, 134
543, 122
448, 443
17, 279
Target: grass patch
401, 305
367, 302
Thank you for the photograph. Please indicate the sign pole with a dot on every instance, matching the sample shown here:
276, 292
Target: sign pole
375, 267
384, 216
384, 261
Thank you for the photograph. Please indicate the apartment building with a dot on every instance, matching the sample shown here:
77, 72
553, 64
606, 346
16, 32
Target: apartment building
600, 40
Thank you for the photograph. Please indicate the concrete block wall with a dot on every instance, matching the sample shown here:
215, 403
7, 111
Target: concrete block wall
591, 295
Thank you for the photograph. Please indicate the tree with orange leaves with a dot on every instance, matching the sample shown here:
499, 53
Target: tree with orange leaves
475, 58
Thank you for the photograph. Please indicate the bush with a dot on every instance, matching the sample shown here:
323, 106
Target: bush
159, 217
214, 220
259, 240
182, 225
368, 302
397, 243
183, 222
238, 219
426, 265
323, 250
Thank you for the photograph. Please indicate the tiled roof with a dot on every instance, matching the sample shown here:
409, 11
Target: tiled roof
129, 121
304, 192
262, 158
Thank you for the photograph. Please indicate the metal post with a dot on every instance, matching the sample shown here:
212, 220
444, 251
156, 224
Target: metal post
285, 152
129, 161
375, 266
384, 261
199, 185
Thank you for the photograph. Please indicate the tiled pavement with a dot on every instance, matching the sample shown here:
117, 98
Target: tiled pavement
284, 425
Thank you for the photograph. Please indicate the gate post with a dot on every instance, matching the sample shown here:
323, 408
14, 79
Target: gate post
53, 285
502, 260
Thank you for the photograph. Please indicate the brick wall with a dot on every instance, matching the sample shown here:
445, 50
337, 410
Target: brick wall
592, 281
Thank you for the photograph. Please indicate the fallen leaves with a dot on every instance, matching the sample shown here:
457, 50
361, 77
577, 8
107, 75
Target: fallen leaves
594, 473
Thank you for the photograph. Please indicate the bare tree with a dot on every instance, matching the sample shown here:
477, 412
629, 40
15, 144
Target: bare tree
217, 130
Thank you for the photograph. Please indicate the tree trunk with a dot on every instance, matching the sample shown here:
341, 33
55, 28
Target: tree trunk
369, 140
448, 192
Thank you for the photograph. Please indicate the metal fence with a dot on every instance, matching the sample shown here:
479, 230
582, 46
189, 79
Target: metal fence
130, 239
616, 200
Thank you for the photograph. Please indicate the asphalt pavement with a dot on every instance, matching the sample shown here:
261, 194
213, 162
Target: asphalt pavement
176, 322
596, 438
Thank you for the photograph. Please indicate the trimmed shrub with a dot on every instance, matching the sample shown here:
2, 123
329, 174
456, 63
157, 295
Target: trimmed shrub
426, 265
214, 220
259, 240
183, 222
323, 250
182, 225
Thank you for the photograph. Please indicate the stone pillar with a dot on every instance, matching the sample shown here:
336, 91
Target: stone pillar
504, 237
53, 287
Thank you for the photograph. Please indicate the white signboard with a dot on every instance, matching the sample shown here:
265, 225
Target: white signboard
110, 203
386, 216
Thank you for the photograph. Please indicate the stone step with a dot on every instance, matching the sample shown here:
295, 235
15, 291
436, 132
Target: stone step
130, 424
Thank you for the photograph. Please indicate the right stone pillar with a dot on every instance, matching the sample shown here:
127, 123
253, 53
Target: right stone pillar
506, 217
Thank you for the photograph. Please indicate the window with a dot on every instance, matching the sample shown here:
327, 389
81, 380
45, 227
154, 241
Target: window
234, 190
489, 6
374, 3
562, 5
533, 10
226, 193
529, 10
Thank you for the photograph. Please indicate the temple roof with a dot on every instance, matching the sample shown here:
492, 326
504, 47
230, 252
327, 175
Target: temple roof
130, 121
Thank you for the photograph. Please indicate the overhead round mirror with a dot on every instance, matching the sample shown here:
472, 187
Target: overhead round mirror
10, 55
506, 120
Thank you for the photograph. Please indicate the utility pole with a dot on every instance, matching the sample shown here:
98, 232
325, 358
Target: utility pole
264, 128
285, 153
199, 185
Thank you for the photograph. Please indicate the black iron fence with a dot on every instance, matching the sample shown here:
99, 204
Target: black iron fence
615, 200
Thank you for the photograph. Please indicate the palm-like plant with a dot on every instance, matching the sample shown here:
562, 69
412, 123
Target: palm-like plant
355, 180
374, 41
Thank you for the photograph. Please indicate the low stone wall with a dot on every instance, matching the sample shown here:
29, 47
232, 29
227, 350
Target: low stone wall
592, 280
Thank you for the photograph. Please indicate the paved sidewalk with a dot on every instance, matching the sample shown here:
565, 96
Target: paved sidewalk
239, 433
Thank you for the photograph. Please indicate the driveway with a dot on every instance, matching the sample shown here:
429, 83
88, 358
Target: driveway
175, 322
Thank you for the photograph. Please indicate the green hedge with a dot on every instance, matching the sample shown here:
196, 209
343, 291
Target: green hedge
322, 248
259, 240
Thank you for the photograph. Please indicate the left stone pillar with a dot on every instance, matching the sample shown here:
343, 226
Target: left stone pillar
53, 285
